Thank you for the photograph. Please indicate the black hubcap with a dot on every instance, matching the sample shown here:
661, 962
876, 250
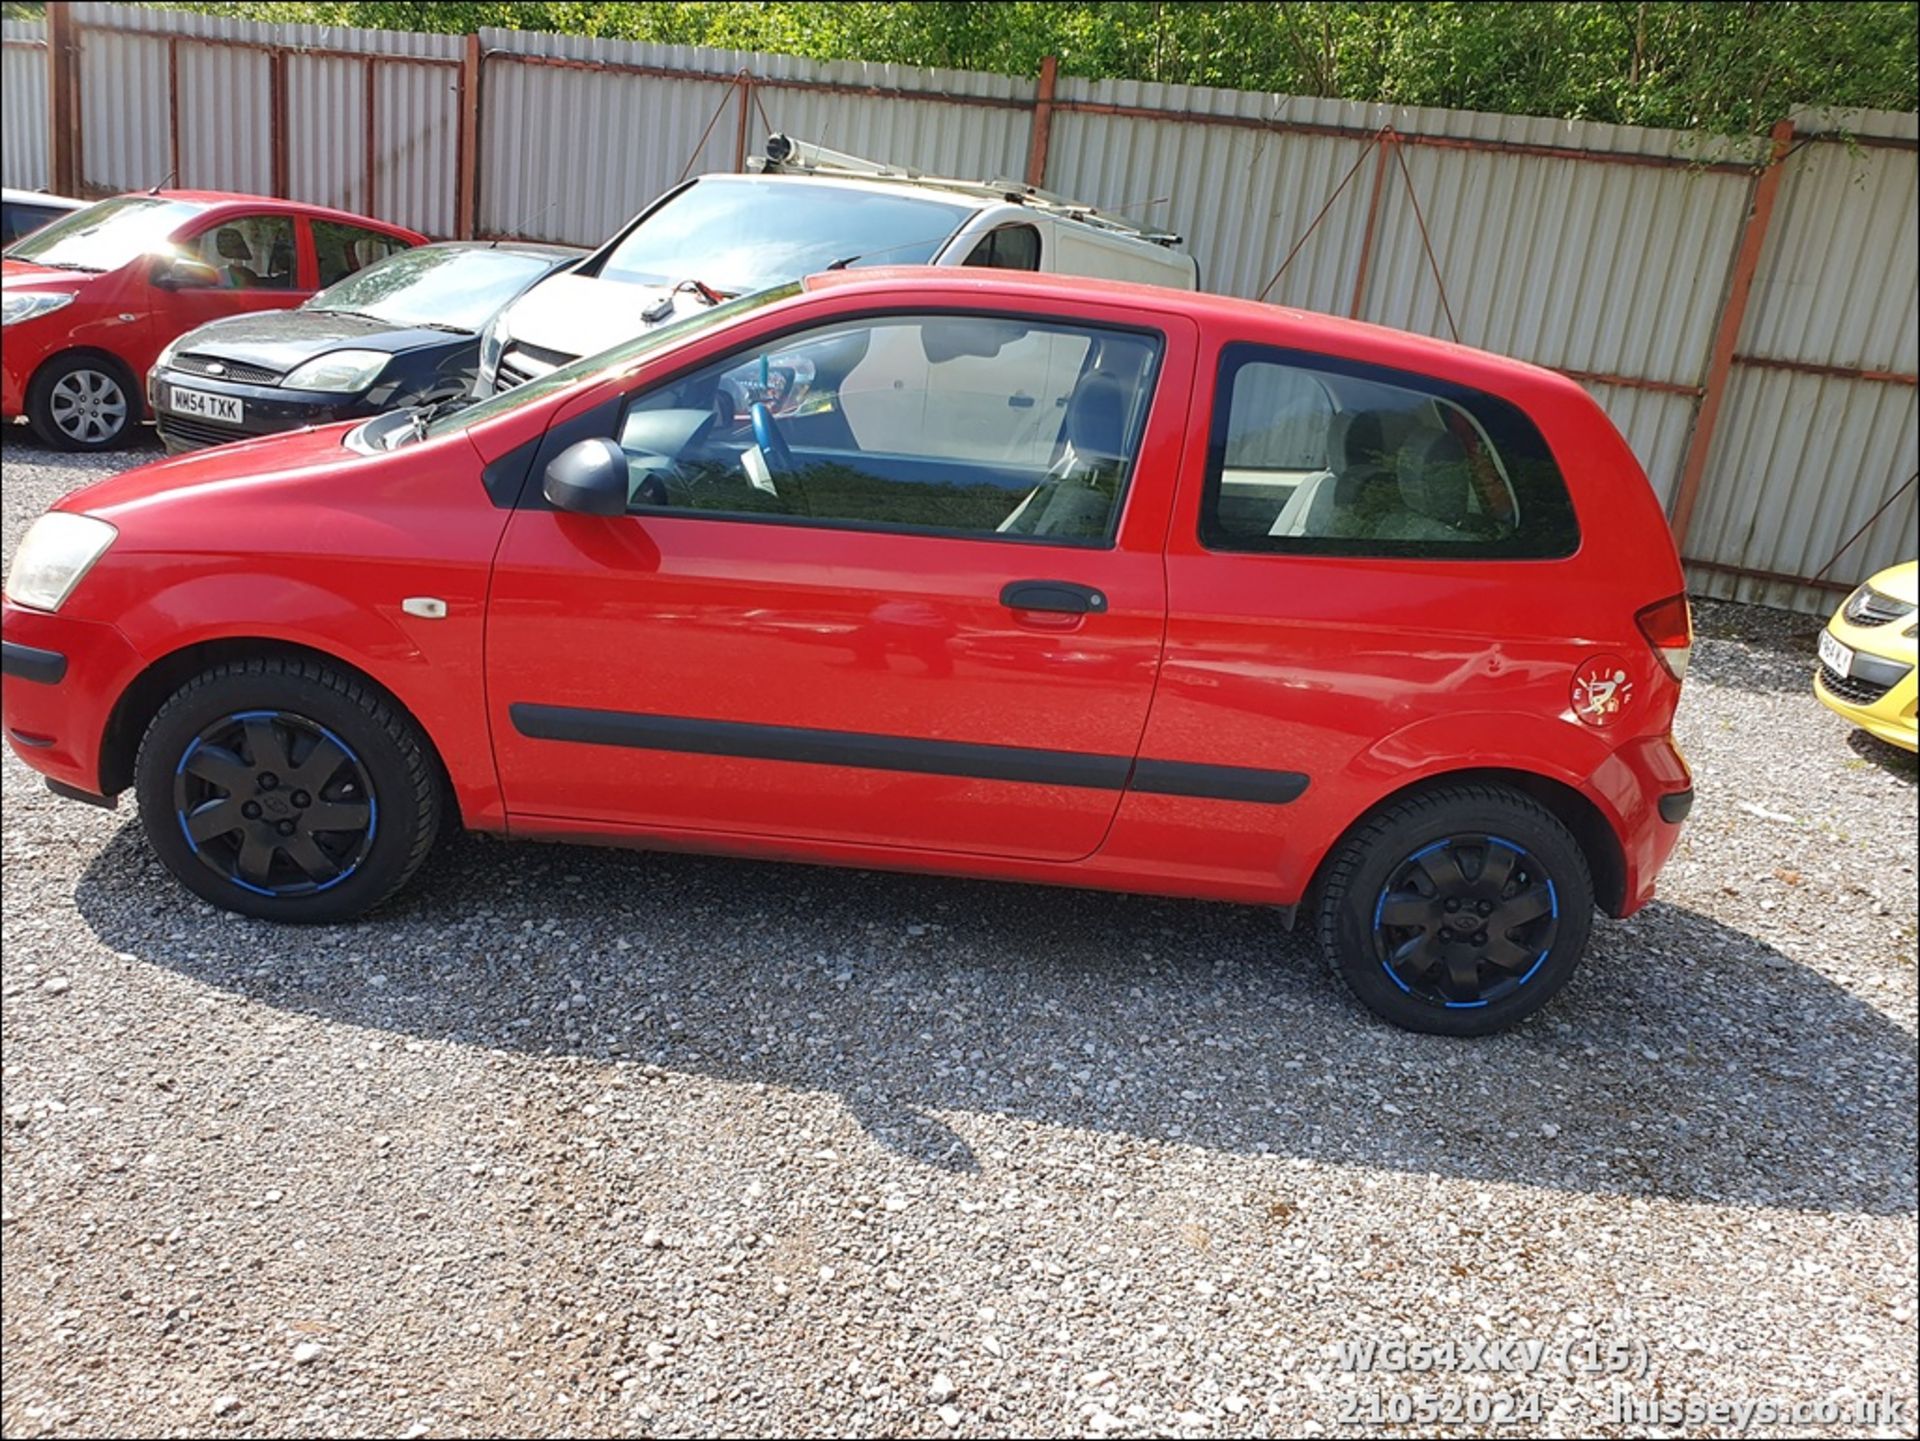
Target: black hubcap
275, 803
1465, 921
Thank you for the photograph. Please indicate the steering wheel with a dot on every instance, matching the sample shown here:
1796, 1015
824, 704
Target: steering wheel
773, 445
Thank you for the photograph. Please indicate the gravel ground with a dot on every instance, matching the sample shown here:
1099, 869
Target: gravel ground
598, 1142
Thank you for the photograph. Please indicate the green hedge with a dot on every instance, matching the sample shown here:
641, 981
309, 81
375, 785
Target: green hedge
1731, 67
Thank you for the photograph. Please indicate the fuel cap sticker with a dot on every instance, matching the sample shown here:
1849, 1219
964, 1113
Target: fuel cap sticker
1601, 690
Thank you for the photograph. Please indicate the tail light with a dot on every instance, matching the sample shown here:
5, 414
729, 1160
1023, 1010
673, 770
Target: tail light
1668, 627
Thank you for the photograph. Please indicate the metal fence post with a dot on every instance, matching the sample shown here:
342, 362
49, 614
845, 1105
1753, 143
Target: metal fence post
745, 81
1042, 123
1373, 215
277, 107
466, 186
63, 101
1733, 311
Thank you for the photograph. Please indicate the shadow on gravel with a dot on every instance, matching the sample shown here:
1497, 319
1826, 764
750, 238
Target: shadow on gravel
1689, 1060
1756, 648
1890, 758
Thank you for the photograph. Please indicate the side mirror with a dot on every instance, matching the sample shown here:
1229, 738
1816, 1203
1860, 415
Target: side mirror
589, 477
180, 272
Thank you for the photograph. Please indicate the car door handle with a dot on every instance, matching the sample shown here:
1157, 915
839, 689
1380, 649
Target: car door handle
1020, 402
1052, 595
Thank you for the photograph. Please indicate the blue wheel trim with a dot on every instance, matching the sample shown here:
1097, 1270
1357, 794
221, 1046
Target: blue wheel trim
1553, 901
373, 808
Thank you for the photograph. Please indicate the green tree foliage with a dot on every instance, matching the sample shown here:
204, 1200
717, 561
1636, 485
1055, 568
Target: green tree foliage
1726, 65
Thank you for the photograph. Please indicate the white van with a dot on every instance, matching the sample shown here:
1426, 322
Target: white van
805, 209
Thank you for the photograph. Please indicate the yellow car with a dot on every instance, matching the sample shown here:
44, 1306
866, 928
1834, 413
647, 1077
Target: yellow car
1868, 654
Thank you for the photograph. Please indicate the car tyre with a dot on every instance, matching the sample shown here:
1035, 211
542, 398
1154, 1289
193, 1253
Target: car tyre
83, 402
1457, 912
280, 788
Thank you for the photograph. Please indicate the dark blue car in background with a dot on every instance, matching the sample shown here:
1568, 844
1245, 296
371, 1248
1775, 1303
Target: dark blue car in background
401, 333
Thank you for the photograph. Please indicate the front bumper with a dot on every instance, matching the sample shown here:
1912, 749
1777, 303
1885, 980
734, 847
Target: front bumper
1892, 718
13, 386
62, 678
1879, 696
264, 410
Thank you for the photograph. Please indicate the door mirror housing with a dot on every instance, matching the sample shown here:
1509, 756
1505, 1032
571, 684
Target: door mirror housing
589, 477
181, 272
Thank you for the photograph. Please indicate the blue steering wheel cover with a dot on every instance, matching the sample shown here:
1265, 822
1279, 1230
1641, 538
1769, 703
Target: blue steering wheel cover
766, 435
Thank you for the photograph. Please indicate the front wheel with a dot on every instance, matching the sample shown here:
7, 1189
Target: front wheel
282, 789
1459, 912
83, 402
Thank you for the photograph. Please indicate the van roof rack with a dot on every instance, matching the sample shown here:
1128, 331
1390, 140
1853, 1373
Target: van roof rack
787, 156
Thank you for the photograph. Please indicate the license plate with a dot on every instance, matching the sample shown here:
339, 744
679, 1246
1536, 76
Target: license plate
1836, 655
205, 405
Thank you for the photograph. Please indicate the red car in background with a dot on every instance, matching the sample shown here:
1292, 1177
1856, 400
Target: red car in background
90, 300
1041, 579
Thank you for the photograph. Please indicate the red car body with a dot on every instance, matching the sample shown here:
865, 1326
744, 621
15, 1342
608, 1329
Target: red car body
1258, 706
121, 315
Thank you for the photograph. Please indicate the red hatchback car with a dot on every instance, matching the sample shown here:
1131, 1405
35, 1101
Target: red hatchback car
92, 299
960, 571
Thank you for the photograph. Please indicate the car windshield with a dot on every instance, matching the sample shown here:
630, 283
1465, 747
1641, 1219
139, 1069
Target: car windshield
738, 235
659, 338
435, 285
105, 236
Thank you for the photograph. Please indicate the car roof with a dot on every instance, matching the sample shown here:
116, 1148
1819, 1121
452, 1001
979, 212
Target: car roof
1250, 320
215, 200
539, 248
40, 197
920, 189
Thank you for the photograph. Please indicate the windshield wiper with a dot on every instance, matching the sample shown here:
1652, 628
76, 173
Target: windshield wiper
422, 416
61, 265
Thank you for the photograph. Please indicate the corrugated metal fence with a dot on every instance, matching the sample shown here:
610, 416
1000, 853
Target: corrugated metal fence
1775, 423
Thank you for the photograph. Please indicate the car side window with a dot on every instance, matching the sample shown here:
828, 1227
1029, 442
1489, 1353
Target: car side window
1313, 454
250, 252
342, 249
1011, 247
981, 425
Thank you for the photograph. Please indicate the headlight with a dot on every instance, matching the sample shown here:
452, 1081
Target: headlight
16, 308
54, 555
343, 370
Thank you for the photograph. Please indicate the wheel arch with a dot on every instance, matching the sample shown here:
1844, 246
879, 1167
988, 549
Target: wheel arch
1599, 843
144, 695
136, 388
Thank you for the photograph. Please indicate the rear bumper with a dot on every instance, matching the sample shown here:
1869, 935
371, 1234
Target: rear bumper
1647, 786
62, 678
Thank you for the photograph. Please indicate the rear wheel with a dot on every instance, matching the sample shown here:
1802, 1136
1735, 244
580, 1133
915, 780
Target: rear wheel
1459, 912
83, 402
282, 789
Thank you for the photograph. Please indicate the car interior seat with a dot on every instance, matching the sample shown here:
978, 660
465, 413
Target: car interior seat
236, 258
280, 263
1076, 499
1435, 489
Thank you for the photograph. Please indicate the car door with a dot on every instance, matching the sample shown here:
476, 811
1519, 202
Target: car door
821, 619
252, 262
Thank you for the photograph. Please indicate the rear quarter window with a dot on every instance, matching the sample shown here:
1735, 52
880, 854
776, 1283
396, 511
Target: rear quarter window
1317, 455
